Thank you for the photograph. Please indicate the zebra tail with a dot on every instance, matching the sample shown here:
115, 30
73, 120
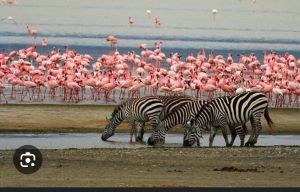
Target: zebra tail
268, 118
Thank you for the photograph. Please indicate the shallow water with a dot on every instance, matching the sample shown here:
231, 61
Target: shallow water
187, 26
121, 140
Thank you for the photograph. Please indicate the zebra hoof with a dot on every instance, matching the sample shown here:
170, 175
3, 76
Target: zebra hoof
103, 138
151, 141
186, 143
249, 144
139, 139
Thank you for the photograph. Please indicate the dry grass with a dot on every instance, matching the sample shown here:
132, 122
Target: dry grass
92, 118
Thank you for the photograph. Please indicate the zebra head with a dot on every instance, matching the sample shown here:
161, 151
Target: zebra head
117, 117
158, 136
109, 130
192, 133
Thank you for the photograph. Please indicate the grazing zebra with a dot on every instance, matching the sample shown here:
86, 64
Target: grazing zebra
231, 112
195, 135
171, 103
182, 115
136, 109
132, 109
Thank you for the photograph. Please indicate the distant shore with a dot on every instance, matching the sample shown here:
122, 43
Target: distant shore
56, 118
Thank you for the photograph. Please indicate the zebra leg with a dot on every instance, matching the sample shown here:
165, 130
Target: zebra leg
132, 130
140, 128
198, 137
257, 124
212, 135
225, 135
233, 135
240, 131
249, 142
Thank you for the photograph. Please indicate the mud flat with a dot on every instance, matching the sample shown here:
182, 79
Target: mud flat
35, 118
160, 167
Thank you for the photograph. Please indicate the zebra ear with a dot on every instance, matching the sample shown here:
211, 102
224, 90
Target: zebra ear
188, 123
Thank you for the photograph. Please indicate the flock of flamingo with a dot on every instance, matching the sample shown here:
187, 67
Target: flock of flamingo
67, 76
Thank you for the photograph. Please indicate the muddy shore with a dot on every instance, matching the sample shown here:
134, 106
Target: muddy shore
35, 118
160, 167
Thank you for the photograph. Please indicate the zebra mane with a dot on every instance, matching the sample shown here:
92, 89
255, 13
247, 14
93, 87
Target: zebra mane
118, 108
204, 107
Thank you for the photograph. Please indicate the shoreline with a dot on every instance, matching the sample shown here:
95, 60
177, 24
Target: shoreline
90, 118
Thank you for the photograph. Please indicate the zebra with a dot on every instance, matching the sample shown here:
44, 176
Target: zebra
169, 103
195, 134
231, 112
182, 115
136, 109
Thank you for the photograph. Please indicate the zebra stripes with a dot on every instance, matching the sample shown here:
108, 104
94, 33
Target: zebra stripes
231, 112
137, 109
140, 110
182, 115
171, 103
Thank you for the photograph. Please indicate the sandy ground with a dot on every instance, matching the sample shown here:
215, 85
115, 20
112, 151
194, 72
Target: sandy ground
92, 118
160, 167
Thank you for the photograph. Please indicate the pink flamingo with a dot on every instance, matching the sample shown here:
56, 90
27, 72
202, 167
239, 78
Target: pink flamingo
31, 31
2, 87
44, 43
10, 2
113, 41
108, 88
210, 88
29, 85
134, 90
130, 21
157, 22
124, 85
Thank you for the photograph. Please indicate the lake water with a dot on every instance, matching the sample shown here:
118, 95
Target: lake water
121, 140
187, 26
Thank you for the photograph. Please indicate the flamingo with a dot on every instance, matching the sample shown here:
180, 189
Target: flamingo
31, 31
2, 87
9, 2
44, 43
130, 21
113, 41
157, 22
210, 88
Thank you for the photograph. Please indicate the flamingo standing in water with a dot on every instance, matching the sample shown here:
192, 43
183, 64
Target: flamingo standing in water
157, 22
44, 43
31, 31
130, 21
113, 42
210, 88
